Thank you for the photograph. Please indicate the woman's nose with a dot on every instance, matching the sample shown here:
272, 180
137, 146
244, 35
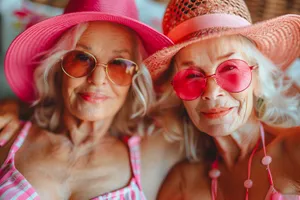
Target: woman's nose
212, 91
98, 76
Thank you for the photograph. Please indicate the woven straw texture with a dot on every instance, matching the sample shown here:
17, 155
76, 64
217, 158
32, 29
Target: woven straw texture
278, 38
266, 9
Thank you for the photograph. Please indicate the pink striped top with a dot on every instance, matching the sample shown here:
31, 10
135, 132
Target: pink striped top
14, 186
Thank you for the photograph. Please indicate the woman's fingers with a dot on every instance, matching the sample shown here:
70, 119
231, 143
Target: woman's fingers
8, 131
9, 123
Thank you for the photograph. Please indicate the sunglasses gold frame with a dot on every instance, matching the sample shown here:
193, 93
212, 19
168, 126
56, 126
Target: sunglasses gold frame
105, 65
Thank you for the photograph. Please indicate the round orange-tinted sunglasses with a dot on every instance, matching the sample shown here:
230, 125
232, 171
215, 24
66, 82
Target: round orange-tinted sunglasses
77, 64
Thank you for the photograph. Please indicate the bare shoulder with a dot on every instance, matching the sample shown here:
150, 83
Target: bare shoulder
288, 142
4, 150
291, 141
36, 137
287, 138
37, 134
195, 180
174, 185
185, 179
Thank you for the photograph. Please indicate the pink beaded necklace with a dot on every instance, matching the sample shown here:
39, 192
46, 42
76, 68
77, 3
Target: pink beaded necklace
214, 173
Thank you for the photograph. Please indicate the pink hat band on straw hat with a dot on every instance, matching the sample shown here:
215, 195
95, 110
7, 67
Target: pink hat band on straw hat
206, 21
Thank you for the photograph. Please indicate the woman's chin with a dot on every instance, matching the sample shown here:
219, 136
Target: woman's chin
87, 115
218, 130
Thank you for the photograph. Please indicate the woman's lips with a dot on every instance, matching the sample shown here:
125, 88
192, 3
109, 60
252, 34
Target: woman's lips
93, 97
216, 112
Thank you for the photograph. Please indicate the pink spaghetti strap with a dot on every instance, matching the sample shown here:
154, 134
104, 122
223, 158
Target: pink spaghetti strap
262, 132
18, 142
135, 157
214, 182
248, 182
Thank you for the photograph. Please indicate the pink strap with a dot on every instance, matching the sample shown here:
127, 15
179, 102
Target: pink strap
18, 142
206, 21
262, 133
249, 166
214, 181
135, 157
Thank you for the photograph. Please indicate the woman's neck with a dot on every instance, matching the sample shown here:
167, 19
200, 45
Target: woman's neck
239, 144
85, 133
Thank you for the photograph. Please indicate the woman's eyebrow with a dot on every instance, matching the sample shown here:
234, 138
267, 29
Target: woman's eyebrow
84, 46
122, 51
225, 56
186, 63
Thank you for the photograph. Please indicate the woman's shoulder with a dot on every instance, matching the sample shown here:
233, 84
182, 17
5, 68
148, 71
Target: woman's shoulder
37, 133
20, 133
291, 141
192, 172
279, 131
184, 179
287, 141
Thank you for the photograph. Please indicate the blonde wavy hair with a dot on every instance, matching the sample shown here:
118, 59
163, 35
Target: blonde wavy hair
277, 104
48, 107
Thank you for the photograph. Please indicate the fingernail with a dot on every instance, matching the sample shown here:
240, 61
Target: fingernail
2, 143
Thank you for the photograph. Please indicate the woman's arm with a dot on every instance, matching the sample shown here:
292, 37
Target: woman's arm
9, 122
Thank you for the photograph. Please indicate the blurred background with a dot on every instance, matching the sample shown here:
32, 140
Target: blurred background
16, 15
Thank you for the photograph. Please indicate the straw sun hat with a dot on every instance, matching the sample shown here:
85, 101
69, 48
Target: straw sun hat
189, 21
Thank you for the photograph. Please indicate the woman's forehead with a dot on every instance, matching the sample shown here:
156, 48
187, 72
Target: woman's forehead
107, 31
215, 49
110, 37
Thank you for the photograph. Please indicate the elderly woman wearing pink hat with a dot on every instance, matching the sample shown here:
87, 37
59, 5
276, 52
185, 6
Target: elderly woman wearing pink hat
82, 73
233, 100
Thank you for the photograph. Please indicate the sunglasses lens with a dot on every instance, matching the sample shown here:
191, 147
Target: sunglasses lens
234, 75
189, 84
78, 63
121, 71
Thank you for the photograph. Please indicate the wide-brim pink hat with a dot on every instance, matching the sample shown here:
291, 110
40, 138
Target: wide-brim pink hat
189, 21
19, 61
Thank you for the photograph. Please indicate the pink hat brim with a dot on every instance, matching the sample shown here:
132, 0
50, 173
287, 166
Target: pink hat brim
278, 39
19, 63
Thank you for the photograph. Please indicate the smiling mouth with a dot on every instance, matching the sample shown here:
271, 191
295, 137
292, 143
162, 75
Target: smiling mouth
93, 98
216, 113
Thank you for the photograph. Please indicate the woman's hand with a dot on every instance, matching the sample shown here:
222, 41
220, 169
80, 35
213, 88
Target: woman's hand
9, 122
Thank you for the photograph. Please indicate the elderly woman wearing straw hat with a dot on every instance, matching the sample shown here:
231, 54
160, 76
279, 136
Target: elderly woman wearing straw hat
227, 73
82, 72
